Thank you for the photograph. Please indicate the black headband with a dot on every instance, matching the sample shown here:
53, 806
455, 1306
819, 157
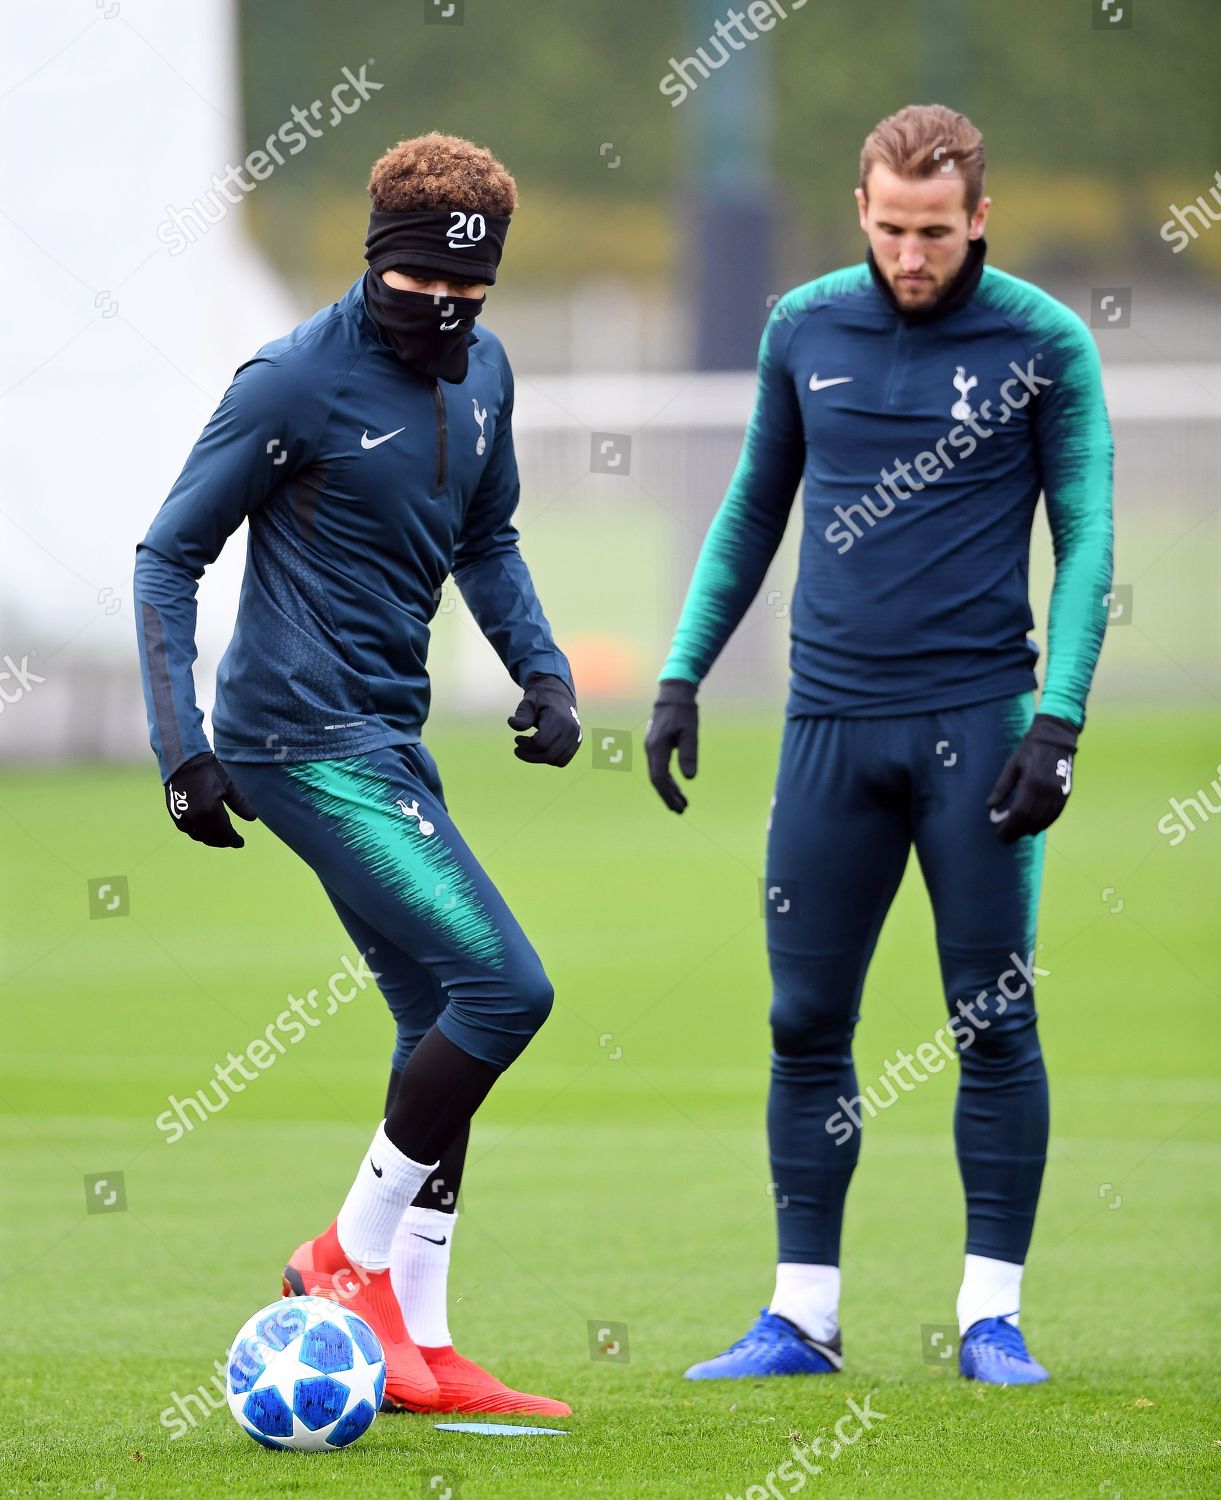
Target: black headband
446, 240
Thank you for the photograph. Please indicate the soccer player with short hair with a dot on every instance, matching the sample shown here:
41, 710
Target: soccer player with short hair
371, 452
925, 399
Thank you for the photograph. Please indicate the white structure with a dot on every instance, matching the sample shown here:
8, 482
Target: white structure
115, 350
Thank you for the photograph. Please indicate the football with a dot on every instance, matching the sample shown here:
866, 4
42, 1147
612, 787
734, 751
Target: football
305, 1373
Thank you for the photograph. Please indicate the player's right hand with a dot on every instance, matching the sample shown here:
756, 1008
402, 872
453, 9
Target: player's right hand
196, 795
674, 726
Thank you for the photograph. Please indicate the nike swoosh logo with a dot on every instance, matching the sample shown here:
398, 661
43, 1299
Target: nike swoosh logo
428, 1237
377, 1171
998, 817
821, 385
367, 442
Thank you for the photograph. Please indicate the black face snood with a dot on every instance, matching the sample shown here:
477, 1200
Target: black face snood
431, 334
957, 294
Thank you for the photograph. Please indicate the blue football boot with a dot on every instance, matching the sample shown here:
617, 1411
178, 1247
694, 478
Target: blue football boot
774, 1346
995, 1352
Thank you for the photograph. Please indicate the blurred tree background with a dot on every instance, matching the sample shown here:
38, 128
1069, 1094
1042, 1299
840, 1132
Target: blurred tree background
1093, 128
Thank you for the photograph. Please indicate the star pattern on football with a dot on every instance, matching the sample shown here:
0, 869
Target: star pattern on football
305, 1374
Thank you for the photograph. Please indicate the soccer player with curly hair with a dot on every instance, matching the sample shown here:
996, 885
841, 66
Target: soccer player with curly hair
371, 452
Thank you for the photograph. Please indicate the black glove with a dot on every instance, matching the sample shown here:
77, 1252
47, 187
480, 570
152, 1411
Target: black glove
1039, 774
196, 795
551, 711
674, 726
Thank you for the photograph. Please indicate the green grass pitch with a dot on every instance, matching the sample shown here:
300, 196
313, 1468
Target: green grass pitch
618, 1174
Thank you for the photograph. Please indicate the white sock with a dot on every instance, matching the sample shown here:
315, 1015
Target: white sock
990, 1289
809, 1297
419, 1271
384, 1186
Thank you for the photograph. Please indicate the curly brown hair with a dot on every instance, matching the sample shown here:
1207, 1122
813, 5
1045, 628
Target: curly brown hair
441, 171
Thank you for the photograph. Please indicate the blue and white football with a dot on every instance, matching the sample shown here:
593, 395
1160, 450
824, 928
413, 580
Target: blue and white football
305, 1373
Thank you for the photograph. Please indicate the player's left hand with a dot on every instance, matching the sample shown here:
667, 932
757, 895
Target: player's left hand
1039, 775
550, 709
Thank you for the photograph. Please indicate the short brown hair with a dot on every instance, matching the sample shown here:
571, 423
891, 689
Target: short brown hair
920, 140
441, 171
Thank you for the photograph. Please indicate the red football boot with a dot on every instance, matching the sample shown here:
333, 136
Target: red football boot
319, 1268
466, 1386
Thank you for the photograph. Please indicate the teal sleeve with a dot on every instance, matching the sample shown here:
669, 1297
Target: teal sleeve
1075, 453
748, 527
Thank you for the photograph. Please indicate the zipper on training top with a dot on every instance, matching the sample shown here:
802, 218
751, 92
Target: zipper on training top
898, 364
442, 438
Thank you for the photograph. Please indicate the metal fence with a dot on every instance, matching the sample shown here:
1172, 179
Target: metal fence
620, 478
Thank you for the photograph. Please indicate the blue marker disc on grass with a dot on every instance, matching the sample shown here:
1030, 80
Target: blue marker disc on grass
498, 1429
